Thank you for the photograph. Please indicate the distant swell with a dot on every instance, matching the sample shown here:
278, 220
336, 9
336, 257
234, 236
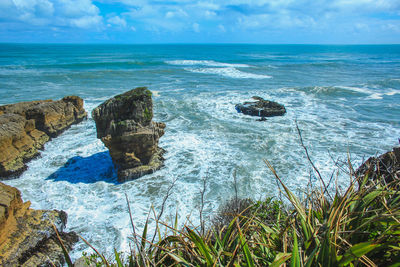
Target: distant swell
219, 68
229, 72
348, 90
208, 63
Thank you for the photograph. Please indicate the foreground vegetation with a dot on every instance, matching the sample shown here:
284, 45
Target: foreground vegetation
357, 227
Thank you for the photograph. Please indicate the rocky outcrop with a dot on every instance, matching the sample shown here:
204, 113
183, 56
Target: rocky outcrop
27, 236
124, 124
261, 108
385, 166
25, 127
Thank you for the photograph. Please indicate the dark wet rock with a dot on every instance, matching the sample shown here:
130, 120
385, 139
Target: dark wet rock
25, 127
124, 124
261, 108
385, 166
27, 236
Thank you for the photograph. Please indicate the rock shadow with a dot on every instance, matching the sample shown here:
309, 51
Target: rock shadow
95, 168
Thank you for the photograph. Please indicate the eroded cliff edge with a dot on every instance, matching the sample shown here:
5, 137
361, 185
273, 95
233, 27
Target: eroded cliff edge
27, 236
25, 127
124, 124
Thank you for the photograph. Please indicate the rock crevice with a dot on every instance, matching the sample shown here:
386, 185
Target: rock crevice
124, 124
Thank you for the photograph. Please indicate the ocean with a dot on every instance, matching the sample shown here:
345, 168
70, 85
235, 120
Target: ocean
345, 99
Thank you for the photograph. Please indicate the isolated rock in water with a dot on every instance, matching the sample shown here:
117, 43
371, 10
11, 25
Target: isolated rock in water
25, 127
124, 124
261, 108
27, 236
385, 166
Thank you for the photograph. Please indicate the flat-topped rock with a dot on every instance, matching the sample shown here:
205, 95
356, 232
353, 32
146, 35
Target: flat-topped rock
27, 236
25, 127
124, 124
261, 108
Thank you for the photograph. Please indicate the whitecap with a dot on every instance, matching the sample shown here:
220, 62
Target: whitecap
155, 93
372, 94
357, 89
376, 96
209, 63
229, 72
393, 92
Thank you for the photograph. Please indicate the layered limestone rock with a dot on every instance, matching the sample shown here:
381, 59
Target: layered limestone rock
27, 236
25, 127
261, 108
124, 124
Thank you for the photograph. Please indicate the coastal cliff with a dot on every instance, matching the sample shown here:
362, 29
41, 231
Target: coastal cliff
27, 236
124, 124
25, 127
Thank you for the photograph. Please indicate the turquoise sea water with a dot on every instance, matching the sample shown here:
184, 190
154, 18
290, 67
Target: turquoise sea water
346, 99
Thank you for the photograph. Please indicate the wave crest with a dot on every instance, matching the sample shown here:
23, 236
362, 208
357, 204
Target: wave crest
209, 63
229, 72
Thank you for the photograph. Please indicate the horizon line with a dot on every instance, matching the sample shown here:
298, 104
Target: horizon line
182, 43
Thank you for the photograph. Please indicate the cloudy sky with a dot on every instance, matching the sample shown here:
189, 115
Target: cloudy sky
205, 21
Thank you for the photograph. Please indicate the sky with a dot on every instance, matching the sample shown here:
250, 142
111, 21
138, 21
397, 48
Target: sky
205, 21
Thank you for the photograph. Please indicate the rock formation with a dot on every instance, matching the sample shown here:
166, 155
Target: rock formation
25, 127
385, 166
261, 108
27, 236
124, 124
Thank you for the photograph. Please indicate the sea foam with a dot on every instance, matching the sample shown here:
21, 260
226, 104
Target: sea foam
209, 63
205, 138
229, 72
223, 69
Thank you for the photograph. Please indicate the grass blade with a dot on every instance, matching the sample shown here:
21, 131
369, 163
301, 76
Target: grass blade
117, 259
295, 261
280, 259
64, 249
198, 241
357, 251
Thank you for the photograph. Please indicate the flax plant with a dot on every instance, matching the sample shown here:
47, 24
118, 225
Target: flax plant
357, 227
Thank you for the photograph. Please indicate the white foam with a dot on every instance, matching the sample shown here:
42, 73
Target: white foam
393, 92
229, 72
209, 63
155, 93
205, 139
362, 90
376, 96
372, 94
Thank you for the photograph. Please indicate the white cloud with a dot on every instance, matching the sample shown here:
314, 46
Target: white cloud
178, 13
117, 21
248, 16
209, 14
77, 8
74, 13
86, 22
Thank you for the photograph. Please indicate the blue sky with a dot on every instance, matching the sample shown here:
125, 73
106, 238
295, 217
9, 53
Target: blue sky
205, 21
